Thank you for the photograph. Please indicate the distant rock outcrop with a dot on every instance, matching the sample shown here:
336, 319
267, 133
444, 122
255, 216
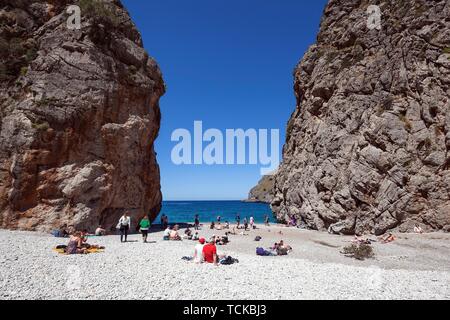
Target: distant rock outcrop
79, 112
263, 191
367, 148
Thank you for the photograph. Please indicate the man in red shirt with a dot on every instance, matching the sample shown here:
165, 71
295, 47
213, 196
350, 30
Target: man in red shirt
210, 252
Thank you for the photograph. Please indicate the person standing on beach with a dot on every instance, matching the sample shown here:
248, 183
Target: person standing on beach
196, 222
218, 219
124, 226
266, 220
238, 220
144, 227
245, 224
164, 222
252, 223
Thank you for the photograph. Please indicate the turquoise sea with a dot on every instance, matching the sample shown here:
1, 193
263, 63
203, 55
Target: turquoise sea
185, 211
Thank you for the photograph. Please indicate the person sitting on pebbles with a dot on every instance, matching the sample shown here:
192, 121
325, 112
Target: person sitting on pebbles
198, 251
174, 234
210, 252
187, 234
166, 234
418, 229
100, 231
75, 245
281, 248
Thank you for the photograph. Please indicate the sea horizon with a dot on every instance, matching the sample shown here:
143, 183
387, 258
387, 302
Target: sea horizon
184, 211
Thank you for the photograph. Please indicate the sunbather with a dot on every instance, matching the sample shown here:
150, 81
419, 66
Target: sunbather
75, 244
210, 252
387, 238
187, 234
100, 231
174, 234
418, 229
198, 251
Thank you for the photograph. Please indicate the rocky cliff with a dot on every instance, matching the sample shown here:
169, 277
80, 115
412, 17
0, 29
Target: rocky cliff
263, 191
79, 112
367, 145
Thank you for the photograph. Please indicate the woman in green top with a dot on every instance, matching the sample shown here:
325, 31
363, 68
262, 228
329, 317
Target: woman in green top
144, 226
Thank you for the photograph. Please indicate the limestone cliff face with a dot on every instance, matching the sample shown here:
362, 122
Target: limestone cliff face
263, 191
79, 115
367, 146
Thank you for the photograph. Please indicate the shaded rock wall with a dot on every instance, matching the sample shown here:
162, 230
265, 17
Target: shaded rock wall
367, 146
79, 115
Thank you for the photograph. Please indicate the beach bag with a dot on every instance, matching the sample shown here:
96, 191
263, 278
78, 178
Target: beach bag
258, 238
228, 260
261, 252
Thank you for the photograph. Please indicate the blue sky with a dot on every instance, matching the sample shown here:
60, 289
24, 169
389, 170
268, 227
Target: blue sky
228, 64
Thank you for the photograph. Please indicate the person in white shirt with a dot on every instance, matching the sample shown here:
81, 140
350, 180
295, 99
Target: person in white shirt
198, 251
124, 226
166, 234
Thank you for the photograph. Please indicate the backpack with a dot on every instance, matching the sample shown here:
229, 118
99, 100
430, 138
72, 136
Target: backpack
228, 260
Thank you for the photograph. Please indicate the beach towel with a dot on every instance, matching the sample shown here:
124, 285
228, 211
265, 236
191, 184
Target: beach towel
61, 250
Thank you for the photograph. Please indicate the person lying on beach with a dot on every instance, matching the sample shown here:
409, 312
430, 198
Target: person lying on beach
227, 225
210, 252
75, 244
198, 251
233, 231
195, 237
100, 231
387, 238
219, 227
360, 240
174, 234
166, 234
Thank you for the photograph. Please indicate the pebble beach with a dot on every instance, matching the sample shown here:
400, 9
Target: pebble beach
412, 267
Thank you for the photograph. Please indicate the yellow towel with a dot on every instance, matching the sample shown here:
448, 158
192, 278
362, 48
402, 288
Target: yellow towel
90, 250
